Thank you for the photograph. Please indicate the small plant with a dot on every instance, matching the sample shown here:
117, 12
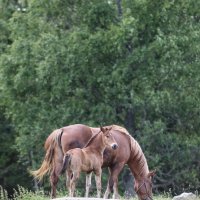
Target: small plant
22, 194
25, 194
3, 194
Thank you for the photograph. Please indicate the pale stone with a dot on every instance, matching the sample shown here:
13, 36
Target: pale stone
185, 196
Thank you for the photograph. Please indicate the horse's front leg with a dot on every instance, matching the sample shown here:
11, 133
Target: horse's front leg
98, 182
112, 185
88, 184
107, 192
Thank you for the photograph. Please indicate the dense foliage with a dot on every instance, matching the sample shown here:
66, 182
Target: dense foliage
133, 63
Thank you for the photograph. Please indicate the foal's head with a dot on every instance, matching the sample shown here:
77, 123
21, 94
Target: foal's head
108, 138
143, 187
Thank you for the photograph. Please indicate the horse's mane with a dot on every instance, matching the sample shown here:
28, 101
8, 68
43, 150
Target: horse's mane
136, 150
118, 128
91, 139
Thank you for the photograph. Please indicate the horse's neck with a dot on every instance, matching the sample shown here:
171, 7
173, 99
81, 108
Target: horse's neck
97, 144
137, 163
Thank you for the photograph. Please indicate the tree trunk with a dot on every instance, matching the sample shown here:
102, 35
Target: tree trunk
128, 181
119, 7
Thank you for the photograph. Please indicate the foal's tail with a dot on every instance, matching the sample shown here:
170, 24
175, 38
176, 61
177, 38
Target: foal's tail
66, 162
47, 166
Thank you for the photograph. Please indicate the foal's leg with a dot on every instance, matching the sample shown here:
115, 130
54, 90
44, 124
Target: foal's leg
73, 183
88, 183
68, 179
113, 180
98, 182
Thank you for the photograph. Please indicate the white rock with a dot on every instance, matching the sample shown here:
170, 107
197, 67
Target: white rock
185, 196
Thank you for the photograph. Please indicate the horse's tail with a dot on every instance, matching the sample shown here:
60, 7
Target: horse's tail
47, 166
66, 162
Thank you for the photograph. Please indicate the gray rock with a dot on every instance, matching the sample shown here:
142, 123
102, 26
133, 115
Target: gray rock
185, 196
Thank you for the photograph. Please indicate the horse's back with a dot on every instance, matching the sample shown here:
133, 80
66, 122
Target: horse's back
75, 136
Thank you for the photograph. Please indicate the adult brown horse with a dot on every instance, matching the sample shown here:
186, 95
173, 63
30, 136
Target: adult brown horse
129, 152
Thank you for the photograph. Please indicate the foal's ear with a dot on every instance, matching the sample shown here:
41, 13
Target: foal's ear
151, 173
102, 129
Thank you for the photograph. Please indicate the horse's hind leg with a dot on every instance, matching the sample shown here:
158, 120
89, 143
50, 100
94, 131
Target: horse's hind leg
57, 167
54, 179
88, 184
53, 182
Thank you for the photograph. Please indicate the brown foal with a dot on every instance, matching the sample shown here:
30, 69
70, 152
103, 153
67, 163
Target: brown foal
89, 159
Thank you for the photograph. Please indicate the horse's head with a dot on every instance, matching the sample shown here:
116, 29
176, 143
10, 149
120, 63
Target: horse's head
108, 138
143, 187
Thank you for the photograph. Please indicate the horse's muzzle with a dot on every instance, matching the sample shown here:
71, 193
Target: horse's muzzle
114, 146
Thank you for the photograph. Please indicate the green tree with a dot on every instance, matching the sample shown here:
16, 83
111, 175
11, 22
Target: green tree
134, 63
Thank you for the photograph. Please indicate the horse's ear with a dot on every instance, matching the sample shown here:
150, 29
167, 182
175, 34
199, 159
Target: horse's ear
152, 173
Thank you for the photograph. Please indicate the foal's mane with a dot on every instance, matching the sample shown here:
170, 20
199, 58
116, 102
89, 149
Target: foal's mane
91, 139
